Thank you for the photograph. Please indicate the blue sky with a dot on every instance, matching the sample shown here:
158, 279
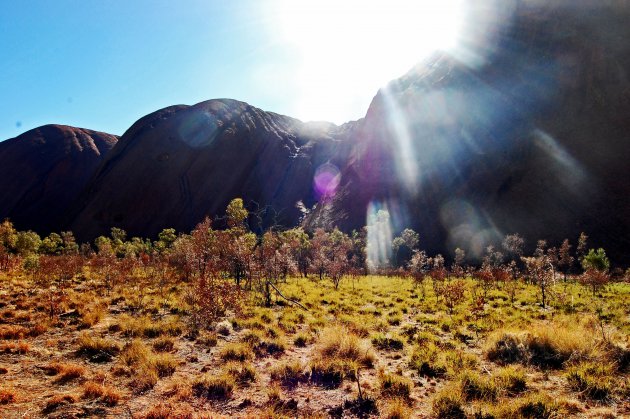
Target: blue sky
104, 64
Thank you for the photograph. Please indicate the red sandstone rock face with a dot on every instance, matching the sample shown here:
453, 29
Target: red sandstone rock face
43, 170
180, 164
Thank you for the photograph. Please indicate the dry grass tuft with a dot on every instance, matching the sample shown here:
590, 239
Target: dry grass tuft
542, 345
395, 386
214, 387
340, 343
396, 408
57, 401
448, 404
13, 332
168, 411
288, 373
18, 348
108, 395
97, 349
147, 366
7, 396
243, 373
236, 352
65, 372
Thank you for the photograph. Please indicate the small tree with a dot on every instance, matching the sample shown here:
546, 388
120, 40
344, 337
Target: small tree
418, 267
580, 251
596, 259
513, 245
457, 268
596, 265
404, 245
453, 293
540, 270
565, 260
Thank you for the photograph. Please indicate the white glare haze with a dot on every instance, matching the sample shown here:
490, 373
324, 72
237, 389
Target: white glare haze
348, 49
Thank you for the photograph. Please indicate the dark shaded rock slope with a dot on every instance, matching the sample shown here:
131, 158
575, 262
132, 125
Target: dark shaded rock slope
43, 171
179, 164
533, 137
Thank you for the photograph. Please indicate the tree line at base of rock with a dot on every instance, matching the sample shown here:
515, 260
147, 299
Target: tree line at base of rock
224, 264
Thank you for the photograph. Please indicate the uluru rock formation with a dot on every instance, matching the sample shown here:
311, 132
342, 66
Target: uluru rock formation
532, 138
179, 164
527, 130
43, 171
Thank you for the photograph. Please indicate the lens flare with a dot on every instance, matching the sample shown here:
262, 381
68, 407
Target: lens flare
199, 129
379, 236
326, 181
408, 169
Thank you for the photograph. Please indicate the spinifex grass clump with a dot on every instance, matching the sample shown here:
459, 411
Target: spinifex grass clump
592, 380
339, 353
289, 373
395, 386
97, 349
242, 372
542, 345
146, 367
214, 387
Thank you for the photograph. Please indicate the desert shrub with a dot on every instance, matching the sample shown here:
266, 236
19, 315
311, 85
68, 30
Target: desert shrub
236, 352
97, 349
592, 380
214, 387
511, 380
453, 293
242, 373
396, 408
428, 360
106, 394
387, 342
473, 387
59, 400
448, 405
340, 343
301, 340
289, 373
7, 396
392, 385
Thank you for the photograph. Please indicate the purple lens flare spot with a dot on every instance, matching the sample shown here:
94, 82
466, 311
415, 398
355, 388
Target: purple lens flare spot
326, 180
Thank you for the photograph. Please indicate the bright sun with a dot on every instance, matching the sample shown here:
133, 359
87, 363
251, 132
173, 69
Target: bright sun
348, 49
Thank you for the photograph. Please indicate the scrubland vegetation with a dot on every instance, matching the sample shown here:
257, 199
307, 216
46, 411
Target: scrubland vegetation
286, 324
